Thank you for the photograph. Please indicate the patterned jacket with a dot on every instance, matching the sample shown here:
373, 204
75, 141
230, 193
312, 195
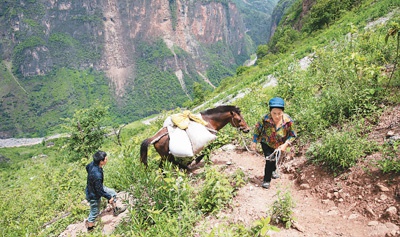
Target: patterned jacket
266, 132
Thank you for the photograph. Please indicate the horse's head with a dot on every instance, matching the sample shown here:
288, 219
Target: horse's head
239, 122
220, 116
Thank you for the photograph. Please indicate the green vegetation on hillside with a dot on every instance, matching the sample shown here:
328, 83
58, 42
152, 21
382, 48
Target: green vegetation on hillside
50, 98
334, 99
46, 40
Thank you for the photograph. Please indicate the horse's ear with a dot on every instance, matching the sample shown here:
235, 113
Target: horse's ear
231, 112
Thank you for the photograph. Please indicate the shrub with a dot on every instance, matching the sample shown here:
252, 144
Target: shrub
262, 227
391, 157
339, 150
282, 209
86, 131
215, 193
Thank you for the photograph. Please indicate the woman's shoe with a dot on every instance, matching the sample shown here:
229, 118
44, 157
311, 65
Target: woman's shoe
266, 185
275, 175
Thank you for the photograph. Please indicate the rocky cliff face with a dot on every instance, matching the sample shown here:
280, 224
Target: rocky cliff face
278, 13
152, 52
111, 29
302, 9
306, 6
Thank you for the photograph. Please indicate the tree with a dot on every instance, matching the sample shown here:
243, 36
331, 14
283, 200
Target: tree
262, 51
86, 131
394, 31
198, 92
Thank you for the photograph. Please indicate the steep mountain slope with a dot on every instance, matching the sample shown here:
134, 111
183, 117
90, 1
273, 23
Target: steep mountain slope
257, 18
340, 83
135, 54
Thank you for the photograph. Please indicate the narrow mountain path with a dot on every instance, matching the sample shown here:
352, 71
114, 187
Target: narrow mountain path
313, 216
107, 222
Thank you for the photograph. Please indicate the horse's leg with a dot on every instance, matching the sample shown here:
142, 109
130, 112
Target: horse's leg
195, 161
161, 164
162, 147
199, 158
172, 159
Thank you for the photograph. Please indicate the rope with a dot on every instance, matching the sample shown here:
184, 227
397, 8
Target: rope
275, 156
244, 142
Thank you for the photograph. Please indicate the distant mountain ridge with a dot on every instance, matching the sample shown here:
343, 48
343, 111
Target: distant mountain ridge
132, 56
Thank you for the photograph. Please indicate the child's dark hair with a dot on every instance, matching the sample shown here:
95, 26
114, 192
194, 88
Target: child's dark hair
99, 156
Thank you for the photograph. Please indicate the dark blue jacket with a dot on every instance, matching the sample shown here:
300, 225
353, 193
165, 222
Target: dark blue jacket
94, 187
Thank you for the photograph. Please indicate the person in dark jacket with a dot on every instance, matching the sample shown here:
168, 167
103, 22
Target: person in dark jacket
95, 189
275, 131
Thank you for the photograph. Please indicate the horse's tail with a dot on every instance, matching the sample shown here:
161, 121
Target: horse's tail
143, 151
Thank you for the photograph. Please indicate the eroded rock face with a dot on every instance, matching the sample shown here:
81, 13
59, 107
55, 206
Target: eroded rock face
189, 25
105, 35
178, 42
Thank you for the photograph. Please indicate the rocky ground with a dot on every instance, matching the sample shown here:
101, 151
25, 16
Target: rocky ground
324, 206
107, 223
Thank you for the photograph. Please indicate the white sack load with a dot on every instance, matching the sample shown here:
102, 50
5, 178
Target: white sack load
179, 142
168, 122
199, 136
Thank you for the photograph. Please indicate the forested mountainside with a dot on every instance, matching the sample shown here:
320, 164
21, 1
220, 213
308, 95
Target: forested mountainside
137, 57
335, 62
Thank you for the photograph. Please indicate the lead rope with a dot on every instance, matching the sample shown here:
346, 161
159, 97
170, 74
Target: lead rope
243, 140
275, 156
240, 135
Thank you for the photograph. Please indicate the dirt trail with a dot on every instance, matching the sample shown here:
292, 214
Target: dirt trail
108, 221
314, 216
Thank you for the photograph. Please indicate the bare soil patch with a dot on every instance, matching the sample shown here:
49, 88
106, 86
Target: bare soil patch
315, 213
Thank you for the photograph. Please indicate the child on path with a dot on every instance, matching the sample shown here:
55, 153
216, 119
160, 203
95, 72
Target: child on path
95, 189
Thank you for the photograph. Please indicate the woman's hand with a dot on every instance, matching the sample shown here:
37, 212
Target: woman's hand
253, 146
111, 200
283, 147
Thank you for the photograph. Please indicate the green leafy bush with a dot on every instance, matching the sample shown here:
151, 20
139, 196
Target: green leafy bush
340, 149
238, 179
262, 227
282, 209
390, 161
86, 131
215, 193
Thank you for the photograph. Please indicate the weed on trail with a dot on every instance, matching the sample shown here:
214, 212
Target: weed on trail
282, 209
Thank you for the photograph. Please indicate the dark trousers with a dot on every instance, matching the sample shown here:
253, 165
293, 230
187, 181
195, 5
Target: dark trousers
270, 166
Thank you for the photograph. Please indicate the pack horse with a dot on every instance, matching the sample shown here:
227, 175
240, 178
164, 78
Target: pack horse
215, 118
